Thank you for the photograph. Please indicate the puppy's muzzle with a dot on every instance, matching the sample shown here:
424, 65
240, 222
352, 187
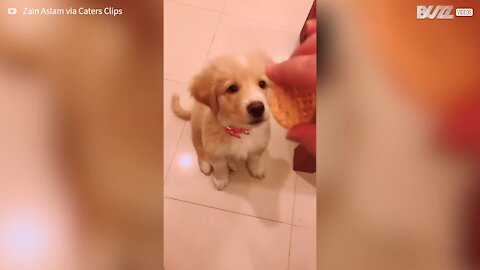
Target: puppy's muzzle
256, 109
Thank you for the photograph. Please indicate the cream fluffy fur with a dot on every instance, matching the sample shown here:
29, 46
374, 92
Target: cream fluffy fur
216, 108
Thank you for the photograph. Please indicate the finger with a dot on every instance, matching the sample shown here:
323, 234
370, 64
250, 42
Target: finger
308, 47
311, 27
299, 72
305, 134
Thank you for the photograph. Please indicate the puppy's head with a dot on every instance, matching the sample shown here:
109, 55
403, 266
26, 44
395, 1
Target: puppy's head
234, 87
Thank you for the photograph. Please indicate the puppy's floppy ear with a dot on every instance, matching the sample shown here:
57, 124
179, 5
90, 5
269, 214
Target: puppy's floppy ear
203, 89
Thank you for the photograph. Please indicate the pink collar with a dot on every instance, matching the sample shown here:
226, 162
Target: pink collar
235, 132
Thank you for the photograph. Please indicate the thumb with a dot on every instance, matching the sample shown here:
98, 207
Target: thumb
299, 72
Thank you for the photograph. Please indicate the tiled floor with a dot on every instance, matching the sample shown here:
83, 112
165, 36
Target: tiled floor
253, 224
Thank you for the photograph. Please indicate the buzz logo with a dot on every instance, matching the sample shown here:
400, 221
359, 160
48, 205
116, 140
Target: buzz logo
434, 12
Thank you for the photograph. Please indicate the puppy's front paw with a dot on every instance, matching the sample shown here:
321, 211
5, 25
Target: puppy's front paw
256, 170
205, 167
220, 183
231, 166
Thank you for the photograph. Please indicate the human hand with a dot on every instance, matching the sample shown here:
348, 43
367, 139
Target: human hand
300, 72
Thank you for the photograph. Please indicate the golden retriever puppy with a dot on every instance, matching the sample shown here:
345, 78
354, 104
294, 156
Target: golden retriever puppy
230, 118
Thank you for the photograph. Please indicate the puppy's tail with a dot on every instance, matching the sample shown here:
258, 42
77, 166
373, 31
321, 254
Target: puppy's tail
178, 110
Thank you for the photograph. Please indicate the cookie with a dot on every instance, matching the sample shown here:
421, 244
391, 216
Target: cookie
291, 107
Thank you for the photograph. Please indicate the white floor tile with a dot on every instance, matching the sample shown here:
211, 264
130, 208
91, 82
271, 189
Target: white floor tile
173, 125
286, 13
216, 5
202, 238
239, 36
270, 198
303, 249
305, 210
188, 35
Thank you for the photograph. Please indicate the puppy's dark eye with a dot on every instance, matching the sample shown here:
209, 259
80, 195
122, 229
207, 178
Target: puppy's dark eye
232, 89
262, 84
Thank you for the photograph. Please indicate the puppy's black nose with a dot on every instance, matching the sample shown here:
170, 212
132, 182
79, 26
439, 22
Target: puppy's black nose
256, 109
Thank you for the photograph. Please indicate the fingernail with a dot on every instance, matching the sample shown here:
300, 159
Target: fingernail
311, 22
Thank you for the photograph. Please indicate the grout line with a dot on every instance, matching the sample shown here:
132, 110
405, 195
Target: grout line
239, 16
302, 227
290, 247
179, 137
225, 210
175, 81
190, 5
224, 6
293, 215
213, 40
287, 28
174, 154
261, 22
294, 196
